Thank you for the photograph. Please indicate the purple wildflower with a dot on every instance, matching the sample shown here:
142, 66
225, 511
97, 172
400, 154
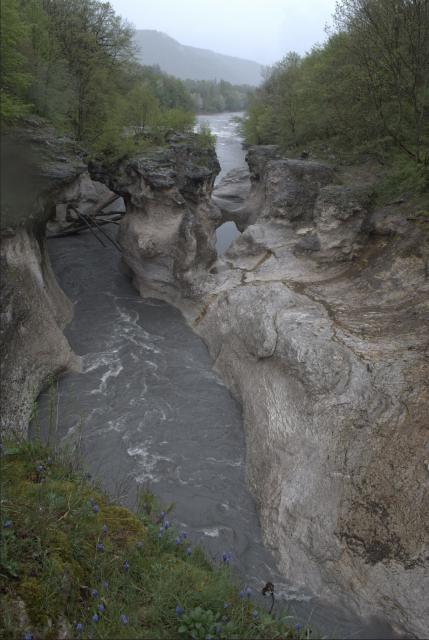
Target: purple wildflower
94, 593
248, 592
255, 614
123, 619
105, 584
178, 541
166, 524
7, 524
95, 617
126, 566
101, 608
99, 547
227, 557
183, 535
298, 627
28, 636
95, 508
179, 611
189, 551
241, 594
79, 627
105, 530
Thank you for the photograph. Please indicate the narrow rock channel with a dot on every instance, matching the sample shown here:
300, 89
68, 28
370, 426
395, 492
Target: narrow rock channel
151, 412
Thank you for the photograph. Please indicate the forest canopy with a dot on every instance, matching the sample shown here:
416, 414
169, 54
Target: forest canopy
212, 96
72, 62
365, 91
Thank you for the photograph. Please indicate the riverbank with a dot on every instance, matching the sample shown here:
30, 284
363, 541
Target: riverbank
75, 564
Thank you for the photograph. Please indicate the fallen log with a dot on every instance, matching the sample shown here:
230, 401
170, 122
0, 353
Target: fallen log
115, 244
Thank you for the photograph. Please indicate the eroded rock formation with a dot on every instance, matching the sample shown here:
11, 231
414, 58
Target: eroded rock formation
36, 166
167, 235
317, 318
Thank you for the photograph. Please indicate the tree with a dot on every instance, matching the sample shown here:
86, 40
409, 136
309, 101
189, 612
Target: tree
14, 78
389, 42
93, 40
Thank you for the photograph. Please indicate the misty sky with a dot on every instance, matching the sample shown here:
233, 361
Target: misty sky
261, 30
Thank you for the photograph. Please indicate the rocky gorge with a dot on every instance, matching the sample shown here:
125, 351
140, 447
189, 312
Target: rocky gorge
317, 320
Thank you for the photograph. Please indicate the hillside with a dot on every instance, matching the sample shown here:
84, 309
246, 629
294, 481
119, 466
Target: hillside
156, 48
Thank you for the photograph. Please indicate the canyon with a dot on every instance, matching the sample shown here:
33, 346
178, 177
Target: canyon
316, 318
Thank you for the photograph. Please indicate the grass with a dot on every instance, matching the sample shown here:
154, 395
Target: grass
76, 565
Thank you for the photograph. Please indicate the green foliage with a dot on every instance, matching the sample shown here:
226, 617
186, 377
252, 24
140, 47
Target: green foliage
71, 61
69, 553
198, 624
14, 79
211, 96
205, 137
365, 91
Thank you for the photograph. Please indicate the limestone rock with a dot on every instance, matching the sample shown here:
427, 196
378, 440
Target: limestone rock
34, 308
230, 195
326, 348
168, 234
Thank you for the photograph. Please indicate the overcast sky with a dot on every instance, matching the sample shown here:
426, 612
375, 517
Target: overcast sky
261, 30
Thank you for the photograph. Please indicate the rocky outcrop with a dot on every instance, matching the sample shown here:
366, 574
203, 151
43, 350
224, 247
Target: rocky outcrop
168, 234
36, 166
230, 196
317, 318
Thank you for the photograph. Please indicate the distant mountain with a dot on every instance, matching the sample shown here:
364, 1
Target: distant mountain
156, 48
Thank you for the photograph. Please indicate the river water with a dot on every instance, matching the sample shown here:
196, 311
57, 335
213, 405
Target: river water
152, 413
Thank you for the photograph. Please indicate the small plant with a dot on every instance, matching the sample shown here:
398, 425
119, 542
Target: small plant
205, 137
198, 624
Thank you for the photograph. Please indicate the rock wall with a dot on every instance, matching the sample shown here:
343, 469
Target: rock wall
36, 166
317, 318
318, 321
168, 234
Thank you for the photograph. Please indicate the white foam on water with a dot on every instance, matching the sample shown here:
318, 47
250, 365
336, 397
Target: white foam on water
93, 361
148, 462
111, 373
227, 463
211, 533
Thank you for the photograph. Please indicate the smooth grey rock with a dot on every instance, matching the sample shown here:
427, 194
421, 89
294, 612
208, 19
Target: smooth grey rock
34, 312
230, 195
37, 166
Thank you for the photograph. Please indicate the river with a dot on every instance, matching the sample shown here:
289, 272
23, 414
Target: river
151, 413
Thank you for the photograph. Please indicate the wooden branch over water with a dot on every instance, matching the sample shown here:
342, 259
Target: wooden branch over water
85, 221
